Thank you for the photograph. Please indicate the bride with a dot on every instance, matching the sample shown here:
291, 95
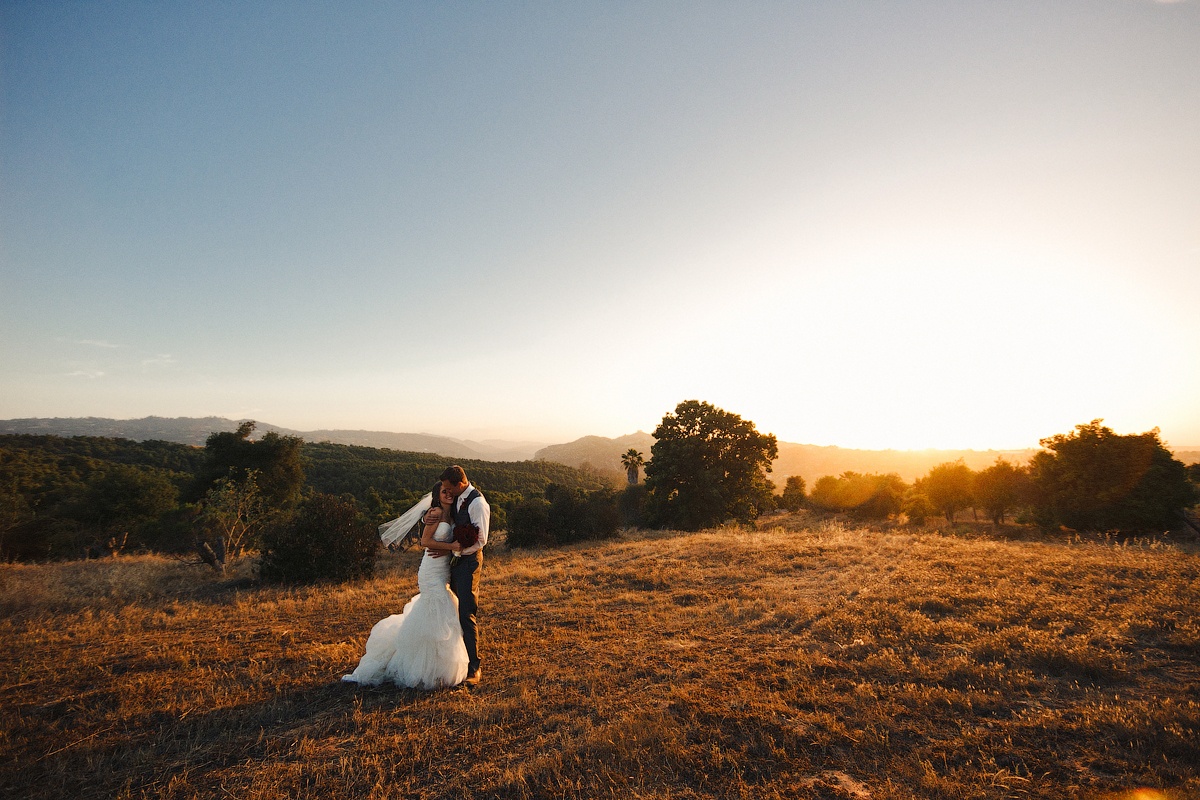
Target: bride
421, 647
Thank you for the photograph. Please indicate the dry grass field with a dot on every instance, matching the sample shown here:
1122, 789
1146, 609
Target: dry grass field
798, 660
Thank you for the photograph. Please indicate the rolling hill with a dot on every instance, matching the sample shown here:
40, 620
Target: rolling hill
806, 460
194, 431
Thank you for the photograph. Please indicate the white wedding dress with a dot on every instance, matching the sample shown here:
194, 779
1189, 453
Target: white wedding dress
421, 647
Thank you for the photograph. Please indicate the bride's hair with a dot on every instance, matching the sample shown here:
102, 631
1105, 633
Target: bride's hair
436, 500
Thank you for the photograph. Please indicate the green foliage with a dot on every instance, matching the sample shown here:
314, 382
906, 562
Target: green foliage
1000, 488
233, 455
57, 495
1094, 479
325, 539
120, 500
577, 515
170, 457
566, 515
235, 513
871, 496
917, 508
793, 497
707, 466
45, 509
631, 506
398, 479
529, 524
948, 487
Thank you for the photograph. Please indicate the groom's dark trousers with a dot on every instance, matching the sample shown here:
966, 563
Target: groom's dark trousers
464, 582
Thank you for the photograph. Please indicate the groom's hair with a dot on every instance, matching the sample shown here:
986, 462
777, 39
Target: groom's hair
454, 474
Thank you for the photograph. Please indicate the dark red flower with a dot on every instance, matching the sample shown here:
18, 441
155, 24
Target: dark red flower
467, 535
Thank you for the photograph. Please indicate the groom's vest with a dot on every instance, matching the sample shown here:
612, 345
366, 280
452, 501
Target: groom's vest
464, 506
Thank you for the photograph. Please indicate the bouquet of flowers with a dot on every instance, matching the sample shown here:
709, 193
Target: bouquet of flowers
466, 535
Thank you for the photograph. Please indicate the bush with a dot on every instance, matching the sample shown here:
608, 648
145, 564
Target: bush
566, 515
949, 487
631, 506
529, 524
326, 539
999, 488
576, 515
917, 508
865, 496
793, 498
499, 519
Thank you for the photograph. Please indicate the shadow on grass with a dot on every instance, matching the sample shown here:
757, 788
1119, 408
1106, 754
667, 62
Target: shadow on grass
196, 749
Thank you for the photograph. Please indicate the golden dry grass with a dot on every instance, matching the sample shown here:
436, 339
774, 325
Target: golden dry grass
800, 660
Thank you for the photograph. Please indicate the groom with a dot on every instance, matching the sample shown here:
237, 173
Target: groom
469, 507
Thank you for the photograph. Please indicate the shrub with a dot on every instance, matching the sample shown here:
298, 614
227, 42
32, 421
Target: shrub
566, 515
631, 506
1000, 488
326, 539
917, 508
499, 518
865, 496
793, 498
576, 515
529, 524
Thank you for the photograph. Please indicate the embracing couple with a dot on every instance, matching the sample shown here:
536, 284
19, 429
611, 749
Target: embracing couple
432, 643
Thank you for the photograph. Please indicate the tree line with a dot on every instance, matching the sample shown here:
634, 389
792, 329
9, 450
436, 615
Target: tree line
1091, 479
710, 467
66, 497
307, 507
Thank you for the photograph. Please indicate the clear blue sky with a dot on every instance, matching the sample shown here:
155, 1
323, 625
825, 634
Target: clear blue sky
870, 224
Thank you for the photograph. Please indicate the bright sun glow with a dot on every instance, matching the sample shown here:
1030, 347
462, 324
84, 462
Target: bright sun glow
867, 226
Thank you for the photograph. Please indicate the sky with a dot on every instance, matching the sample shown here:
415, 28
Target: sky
866, 224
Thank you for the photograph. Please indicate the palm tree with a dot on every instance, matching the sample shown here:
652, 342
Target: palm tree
631, 460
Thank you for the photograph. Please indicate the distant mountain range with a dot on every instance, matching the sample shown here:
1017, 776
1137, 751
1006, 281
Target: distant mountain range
809, 461
599, 451
806, 460
195, 430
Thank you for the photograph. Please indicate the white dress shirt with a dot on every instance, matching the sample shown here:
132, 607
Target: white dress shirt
481, 516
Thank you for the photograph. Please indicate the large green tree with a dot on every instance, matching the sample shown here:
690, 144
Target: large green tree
233, 456
707, 466
1095, 479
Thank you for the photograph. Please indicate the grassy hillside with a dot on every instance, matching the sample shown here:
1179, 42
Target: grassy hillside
791, 661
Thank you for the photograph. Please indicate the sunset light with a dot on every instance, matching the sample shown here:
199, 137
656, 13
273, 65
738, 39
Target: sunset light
911, 225
552, 400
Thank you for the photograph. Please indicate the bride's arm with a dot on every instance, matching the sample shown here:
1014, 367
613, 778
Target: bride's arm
432, 519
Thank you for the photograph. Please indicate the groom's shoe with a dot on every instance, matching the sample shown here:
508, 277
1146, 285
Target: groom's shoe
473, 678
